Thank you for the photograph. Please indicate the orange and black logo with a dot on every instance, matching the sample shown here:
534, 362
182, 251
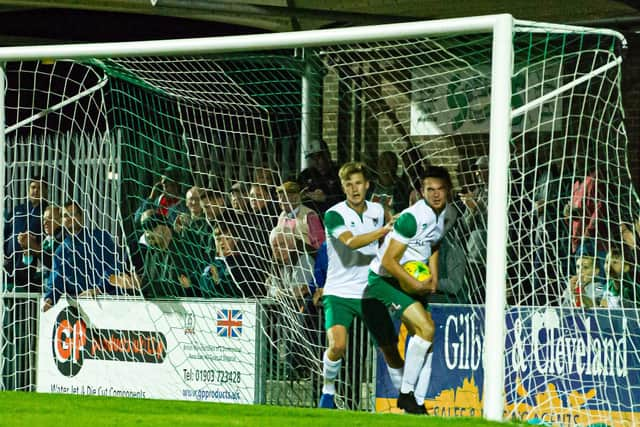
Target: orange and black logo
73, 342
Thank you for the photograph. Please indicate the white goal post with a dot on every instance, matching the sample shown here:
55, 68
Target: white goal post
502, 114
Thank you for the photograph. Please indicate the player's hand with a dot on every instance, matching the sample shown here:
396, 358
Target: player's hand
418, 288
23, 240
46, 305
214, 273
185, 282
393, 218
469, 200
386, 229
429, 285
181, 222
32, 241
156, 190
317, 297
573, 282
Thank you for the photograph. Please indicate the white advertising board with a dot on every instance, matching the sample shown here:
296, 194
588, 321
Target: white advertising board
452, 100
182, 350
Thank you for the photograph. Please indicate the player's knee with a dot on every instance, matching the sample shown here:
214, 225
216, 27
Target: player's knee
425, 329
337, 349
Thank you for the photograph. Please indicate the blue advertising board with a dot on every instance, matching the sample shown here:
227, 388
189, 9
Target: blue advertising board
563, 366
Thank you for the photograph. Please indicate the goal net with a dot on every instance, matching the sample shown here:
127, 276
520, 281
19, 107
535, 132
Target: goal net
171, 177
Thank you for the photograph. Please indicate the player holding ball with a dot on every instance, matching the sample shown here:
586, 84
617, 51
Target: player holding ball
415, 237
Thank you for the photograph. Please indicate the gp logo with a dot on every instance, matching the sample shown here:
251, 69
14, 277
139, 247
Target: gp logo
73, 343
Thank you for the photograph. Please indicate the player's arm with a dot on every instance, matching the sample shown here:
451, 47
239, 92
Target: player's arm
355, 242
405, 228
336, 227
391, 263
433, 267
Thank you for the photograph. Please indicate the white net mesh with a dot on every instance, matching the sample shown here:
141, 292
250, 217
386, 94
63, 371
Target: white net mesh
180, 160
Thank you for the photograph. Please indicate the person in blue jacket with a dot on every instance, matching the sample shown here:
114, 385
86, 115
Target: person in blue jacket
84, 262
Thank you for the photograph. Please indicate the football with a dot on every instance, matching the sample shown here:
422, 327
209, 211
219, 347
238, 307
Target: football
418, 269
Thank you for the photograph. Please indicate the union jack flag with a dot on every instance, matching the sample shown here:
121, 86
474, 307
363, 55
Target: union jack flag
229, 323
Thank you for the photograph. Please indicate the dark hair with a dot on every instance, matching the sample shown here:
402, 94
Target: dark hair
173, 174
38, 178
439, 172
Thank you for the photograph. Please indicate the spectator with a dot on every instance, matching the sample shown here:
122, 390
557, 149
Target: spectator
164, 197
587, 217
630, 232
583, 289
620, 290
262, 202
293, 270
42, 255
23, 230
255, 215
84, 261
294, 267
299, 218
233, 273
214, 206
264, 175
550, 195
240, 197
193, 232
194, 213
452, 259
475, 219
161, 266
389, 189
261, 220
320, 182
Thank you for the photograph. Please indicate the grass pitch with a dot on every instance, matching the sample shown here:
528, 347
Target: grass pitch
39, 409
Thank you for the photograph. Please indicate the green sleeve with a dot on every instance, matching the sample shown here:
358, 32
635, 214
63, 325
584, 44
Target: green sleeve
332, 222
406, 225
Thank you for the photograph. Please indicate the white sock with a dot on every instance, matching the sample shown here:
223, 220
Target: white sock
413, 361
330, 370
396, 376
423, 380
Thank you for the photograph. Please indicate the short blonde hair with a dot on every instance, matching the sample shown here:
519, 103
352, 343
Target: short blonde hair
54, 209
351, 168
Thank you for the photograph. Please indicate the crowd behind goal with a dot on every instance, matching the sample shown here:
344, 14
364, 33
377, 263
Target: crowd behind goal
267, 239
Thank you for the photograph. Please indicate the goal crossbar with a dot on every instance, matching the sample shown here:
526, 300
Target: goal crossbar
211, 45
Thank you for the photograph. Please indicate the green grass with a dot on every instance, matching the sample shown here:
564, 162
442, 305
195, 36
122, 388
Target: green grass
39, 409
